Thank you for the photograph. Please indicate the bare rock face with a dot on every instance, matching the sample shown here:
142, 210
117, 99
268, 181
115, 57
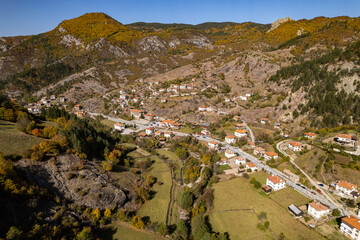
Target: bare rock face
278, 22
197, 40
70, 40
152, 43
76, 180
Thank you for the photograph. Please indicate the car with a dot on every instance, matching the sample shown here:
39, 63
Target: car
298, 184
303, 187
319, 190
313, 193
321, 185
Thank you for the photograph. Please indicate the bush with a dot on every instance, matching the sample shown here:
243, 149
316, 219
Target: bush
185, 200
136, 222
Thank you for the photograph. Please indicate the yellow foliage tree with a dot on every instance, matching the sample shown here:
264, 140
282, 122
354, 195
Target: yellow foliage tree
137, 222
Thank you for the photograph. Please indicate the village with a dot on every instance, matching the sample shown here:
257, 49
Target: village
239, 152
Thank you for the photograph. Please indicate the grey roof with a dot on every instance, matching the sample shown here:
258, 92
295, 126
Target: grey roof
295, 209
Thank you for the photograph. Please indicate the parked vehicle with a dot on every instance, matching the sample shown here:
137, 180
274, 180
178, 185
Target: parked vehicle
319, 190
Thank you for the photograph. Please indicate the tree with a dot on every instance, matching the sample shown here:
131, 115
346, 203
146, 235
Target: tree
14, 233
30, 127
336, 212
36, 132
207, 158
9, 115
206, 173
96, 214
199, 228
50, 131
182, 230
162, 229
107, 213
185, 200
36, 153
22, 124
137, 222
85, 234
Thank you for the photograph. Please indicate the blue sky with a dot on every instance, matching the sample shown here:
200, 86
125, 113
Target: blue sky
25, 17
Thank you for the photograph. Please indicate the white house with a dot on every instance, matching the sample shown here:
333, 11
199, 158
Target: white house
229, 153
317, 209
251, 166
244, 98
275, 182
167, 135
345, 187
230, 139
183, 87
295, 146
202, 108
264, 121
164, 100
350, 225
119, 127
223, 161
239, 161
240, 133
149, 130
270, 155
259, 151
310, 135
205, 132
345, 138
136, 113
213, 144
210, 109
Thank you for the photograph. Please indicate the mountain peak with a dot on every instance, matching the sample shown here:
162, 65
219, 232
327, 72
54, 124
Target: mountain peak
278, 22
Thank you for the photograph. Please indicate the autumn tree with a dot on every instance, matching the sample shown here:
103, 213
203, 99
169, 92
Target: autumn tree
137, 222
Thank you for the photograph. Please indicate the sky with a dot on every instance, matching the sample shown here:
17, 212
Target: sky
28, 17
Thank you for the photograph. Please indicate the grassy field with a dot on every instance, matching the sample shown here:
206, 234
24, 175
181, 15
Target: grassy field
12, 141
124, 231
108, 123
156, 208
186, 129
237, 193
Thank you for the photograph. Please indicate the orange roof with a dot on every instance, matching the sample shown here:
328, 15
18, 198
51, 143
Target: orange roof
168, 133
241, 131
136, 110
213, 142
276, 179
259, 149
271, 154
158, 131
250, 164
346, 185
240, 158
311, 134
344, 136
150, 128
295, 144
142, 134
352, 221
119, 124
230, 136
77, 105
264, 119
318, 206
169, 122
251, 143
149, 115
164, 99
202, 107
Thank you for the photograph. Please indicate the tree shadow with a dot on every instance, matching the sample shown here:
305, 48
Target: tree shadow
107, 233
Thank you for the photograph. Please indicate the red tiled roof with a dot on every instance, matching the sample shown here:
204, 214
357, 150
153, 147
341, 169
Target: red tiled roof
318, 206
311, 134
137, 110
346, 185
230, 136
241, 131
295, 144
271, 154
250, 165
344, 136
276, 179
352, 221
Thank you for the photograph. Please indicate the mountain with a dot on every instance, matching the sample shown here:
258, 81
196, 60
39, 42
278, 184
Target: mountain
96, 53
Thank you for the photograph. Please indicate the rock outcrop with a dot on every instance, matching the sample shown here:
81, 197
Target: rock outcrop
278, 22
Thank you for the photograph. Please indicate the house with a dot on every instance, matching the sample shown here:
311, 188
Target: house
295, 146
62, 99
317, 210
213, 144
264, 121
240, 125
293, 177
164, 100
142, 134
122, 91
202, 108
240, 133
259, 151
223, 161
183, 87
355, 194
149, 117
230, 139
77, 107
275, 182
169, 124
167, 135
205, 132
251, 144
239, 161
229, 153
136, 113
119, 127
136, 99
295, 210
310, 135
149, 130
350, 225
52, 97
270, 155
345, 187
124, 97
344, 138
158, 133
251, 166
210, 109
244, 98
